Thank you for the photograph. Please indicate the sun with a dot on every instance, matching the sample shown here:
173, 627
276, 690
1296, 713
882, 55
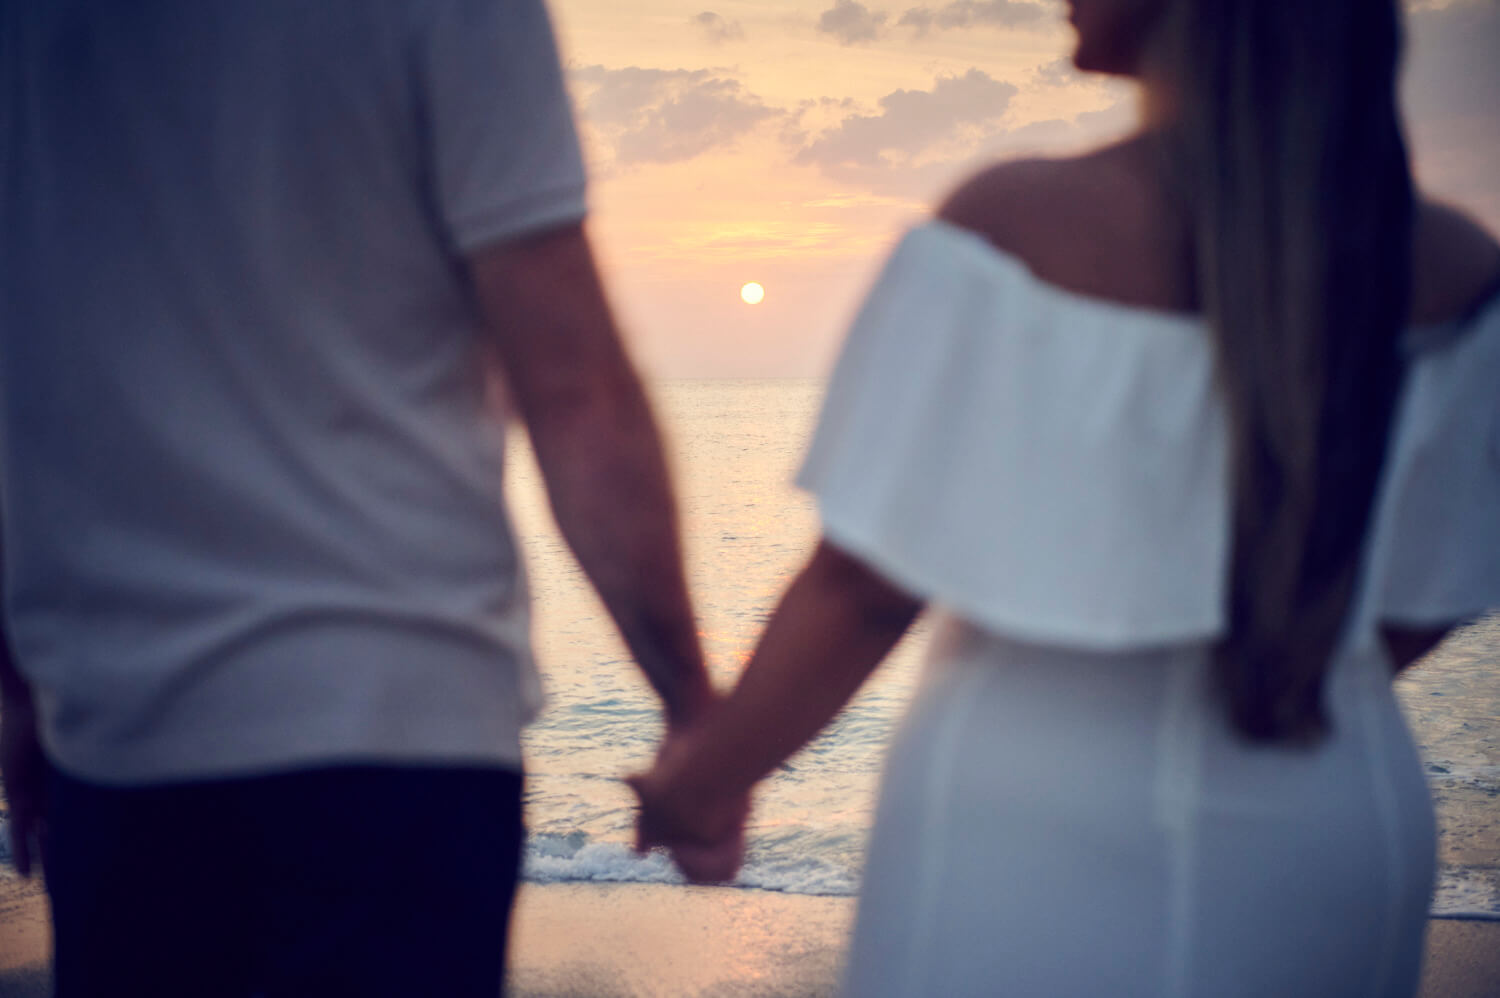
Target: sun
752, 293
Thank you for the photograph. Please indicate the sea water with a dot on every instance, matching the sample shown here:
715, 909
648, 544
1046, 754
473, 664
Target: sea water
735, 446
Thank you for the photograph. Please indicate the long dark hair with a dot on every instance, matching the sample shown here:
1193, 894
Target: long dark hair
1302, 208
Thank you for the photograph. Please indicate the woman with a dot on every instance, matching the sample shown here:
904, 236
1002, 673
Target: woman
1191, 441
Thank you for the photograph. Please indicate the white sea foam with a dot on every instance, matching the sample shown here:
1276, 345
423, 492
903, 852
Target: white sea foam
1462, 892
574, 858
549, 861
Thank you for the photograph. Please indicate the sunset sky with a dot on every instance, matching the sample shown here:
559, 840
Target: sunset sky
788, 142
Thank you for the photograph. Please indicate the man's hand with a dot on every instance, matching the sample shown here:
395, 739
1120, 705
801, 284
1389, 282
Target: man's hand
23, 770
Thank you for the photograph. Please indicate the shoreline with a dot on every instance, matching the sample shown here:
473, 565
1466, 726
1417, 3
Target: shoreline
592, 940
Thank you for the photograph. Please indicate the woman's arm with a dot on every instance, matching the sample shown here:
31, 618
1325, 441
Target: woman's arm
835, 623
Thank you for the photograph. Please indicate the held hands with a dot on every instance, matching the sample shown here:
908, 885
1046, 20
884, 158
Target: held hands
704, 827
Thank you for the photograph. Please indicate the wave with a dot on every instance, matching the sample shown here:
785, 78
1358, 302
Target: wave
1462, 892
552, 858
573, 857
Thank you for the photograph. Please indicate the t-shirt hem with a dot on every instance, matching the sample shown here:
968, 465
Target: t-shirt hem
299, 697
511, 762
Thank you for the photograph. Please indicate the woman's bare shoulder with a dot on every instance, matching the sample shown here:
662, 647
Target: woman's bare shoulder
1097, 224
996, 201
1094, 224
1455, 263
1023, 205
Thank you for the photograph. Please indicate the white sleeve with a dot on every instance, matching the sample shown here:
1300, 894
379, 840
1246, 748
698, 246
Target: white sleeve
1441, 530
503, 150
1036, 465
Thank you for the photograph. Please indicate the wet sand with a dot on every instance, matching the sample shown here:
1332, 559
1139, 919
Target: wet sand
652, 941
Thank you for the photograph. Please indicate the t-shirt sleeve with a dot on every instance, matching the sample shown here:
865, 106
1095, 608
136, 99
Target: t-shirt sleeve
1440, 556
1054, 475
503, 151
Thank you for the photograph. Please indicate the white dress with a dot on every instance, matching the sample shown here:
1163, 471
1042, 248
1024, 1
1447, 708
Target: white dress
1066, 810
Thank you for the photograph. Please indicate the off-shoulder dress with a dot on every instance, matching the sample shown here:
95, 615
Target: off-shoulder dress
1066, 810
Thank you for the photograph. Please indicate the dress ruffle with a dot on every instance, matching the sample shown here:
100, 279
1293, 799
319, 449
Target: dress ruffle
1053, 467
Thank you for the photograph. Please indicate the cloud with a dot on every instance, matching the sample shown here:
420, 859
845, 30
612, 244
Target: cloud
851, 22
666, 115
843, 202
1058, 73
972, 13
1064, 136
922, 143
911, 123
717, 28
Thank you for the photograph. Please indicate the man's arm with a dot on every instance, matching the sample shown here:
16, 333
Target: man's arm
598, 449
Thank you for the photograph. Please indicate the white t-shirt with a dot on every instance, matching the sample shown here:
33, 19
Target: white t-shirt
251, 481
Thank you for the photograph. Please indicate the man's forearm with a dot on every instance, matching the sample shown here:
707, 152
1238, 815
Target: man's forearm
610, 493
597, 447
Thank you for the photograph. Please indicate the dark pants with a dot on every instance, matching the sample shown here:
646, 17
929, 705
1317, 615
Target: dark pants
364, 881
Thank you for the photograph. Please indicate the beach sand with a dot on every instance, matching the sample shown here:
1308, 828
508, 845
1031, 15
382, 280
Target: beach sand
636, 940
650, 941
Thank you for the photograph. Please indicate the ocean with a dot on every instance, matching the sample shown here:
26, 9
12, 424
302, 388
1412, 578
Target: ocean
735, 446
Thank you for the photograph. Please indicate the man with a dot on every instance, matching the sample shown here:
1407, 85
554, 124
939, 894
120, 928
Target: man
267, 655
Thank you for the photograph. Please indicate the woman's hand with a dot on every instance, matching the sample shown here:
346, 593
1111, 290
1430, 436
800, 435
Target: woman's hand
704, 828
835, 623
